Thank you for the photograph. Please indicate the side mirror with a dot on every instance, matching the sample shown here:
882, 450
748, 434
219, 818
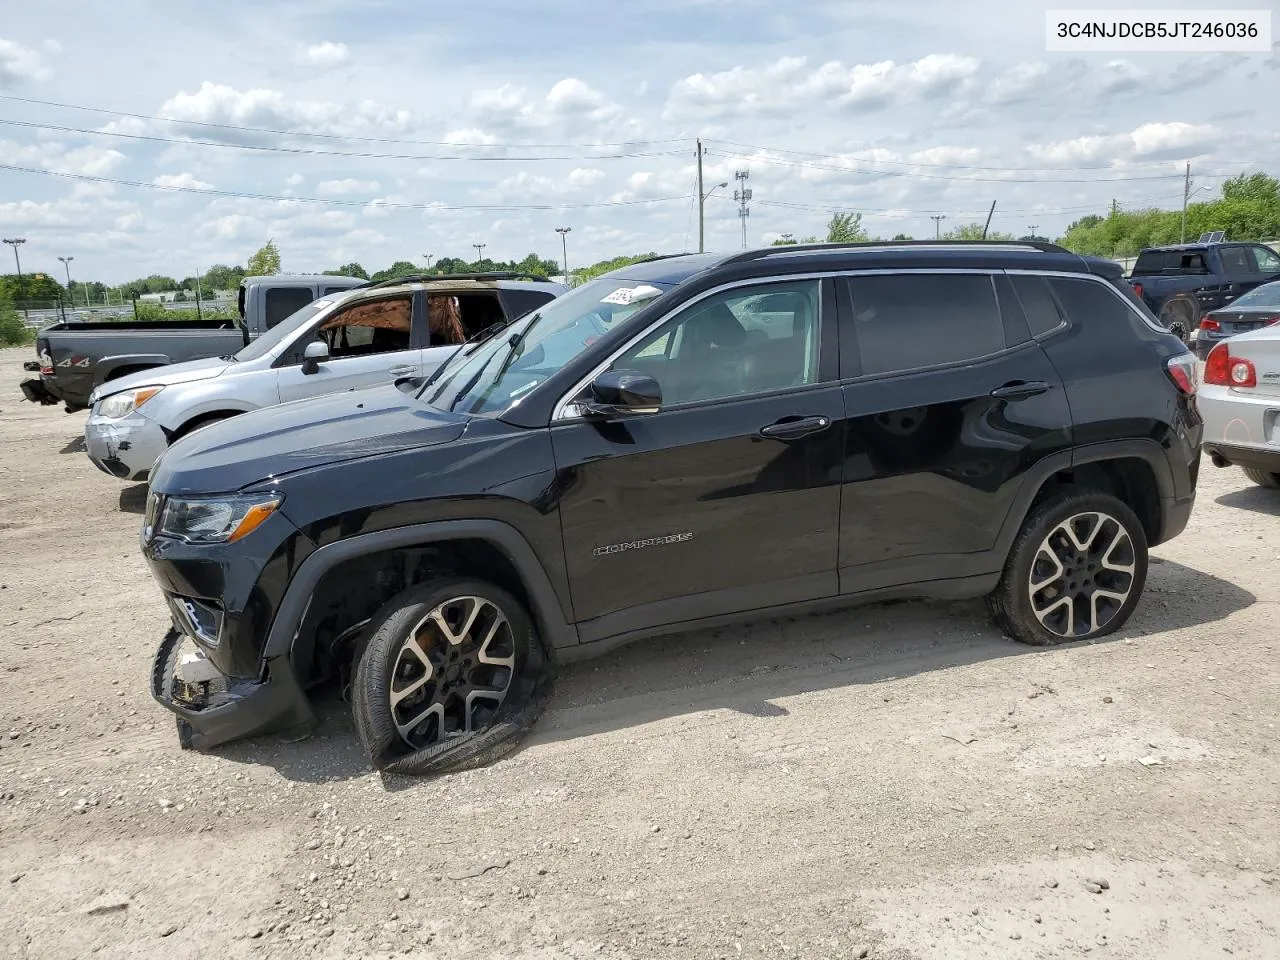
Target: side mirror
620, 393
316, 353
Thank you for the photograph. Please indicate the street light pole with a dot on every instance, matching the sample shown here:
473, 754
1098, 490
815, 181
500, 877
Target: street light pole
66, 263
428, 257
564, 248
479, 253
16, 242
937, 225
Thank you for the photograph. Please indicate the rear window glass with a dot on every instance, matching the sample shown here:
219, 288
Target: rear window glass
1087, 301
1150, 261
1038, 304
285, 301
907, 321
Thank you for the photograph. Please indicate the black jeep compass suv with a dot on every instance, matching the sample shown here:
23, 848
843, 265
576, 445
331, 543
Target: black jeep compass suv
682, 441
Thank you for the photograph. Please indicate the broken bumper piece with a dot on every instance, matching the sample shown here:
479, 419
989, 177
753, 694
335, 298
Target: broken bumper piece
36, 392
213, 709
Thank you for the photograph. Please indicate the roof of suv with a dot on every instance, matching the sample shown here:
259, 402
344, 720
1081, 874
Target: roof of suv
811, 258
461, 281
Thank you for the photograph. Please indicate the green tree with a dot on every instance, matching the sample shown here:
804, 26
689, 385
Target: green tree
266, 262
846, 228
604, 266
902, 236
30, 287
401, 268
973, 231
13, 332
222, 277
352, 269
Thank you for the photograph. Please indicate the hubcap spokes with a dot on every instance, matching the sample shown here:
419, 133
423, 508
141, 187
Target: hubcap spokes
1082, 574
452, 672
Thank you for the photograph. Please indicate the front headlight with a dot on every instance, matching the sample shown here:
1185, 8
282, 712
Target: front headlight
124, 403
217, 519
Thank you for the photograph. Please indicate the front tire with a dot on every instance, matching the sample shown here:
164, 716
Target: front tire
442, 661
1075, 572
1262, 478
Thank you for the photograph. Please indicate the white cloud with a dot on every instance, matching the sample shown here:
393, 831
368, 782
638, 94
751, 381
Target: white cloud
1023, 81
334, 188
293, 179
585, 176
19, 64
789, 82
54, 155
1142, 142
129, 221
216, 103
469, 137
325, 55
182, 180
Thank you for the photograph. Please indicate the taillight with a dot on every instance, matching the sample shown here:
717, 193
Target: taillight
1209, 323
1137, 288
1183, 372
1223, 370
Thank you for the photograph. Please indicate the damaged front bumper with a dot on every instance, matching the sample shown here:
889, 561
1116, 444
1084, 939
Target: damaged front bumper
212, 708
127, 447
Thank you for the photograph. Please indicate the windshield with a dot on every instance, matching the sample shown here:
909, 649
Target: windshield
1267, 295
284, 329
493, 375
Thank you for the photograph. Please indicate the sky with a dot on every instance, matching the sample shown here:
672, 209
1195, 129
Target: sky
166, 137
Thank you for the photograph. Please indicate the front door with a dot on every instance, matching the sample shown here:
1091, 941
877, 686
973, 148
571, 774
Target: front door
949, 403
370, 342
727, 499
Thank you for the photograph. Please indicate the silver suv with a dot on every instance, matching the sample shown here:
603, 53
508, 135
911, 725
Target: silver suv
374, 334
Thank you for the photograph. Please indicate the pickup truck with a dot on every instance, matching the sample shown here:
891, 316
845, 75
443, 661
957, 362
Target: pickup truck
1182, 283
74, 358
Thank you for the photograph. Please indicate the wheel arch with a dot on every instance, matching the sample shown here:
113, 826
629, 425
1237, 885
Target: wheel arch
488, 549
1135, 471
112, 368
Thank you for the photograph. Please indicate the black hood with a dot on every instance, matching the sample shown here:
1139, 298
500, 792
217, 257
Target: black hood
274, 441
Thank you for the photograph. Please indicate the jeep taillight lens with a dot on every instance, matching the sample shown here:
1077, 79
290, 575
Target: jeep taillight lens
1183, 372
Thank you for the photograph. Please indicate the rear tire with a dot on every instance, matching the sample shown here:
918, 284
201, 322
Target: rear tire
1075, 572
1263, 478
1181, 314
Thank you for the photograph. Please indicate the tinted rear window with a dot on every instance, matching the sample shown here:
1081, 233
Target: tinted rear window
1089, 302
1236, 261
284, 302
1149, 262
911, 320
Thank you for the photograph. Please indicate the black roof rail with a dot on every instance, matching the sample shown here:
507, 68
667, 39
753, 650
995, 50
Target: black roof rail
759, 254
434, 277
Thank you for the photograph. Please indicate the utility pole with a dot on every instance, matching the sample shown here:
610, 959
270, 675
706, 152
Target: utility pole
479, 253
987, 225
564, 248
16, 242
702, 198
937, 225
1186, 195
199, 297
743, 196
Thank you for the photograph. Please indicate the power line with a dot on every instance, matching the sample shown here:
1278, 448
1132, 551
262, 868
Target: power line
330, 136
313, 151
891, 213
933, 176
922, 163
334, 201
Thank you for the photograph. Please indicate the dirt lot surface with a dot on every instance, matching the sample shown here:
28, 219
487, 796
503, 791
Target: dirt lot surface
895, 781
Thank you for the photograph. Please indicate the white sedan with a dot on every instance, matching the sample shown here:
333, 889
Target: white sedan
1240, 403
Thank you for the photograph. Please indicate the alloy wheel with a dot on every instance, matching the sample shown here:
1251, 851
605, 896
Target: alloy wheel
1082, 574
452, 671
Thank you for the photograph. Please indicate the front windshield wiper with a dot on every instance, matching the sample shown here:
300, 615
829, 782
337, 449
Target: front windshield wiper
473, 343
230, 358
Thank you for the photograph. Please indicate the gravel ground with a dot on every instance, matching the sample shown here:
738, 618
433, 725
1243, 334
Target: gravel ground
895, 781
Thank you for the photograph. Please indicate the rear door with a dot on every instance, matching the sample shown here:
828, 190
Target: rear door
949, 401
370, 342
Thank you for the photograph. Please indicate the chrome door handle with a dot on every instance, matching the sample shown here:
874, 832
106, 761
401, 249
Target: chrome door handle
403, 370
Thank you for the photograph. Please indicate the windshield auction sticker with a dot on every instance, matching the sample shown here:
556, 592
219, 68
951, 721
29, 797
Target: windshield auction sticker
1158, 31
